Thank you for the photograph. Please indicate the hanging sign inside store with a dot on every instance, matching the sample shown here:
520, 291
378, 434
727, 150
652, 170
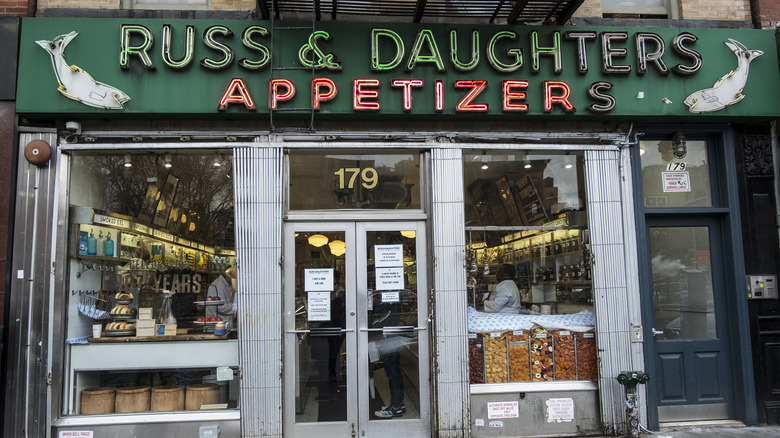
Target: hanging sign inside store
120, 67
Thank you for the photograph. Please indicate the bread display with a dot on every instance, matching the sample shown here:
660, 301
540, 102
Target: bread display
120, 325
121, 310
123, 296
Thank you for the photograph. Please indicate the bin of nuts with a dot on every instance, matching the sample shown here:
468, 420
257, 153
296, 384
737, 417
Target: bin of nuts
541, 355
563, 355
476, 359
519, 358
587, 363
495, 358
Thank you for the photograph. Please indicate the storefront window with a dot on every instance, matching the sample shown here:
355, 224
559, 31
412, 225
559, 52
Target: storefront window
675, 175
384, 180
528, 267
152, 284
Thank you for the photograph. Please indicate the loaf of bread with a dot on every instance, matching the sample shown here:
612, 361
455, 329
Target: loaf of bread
123, 296
120, 310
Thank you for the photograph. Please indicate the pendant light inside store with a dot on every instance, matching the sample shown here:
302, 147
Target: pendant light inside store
337, 247
317, 240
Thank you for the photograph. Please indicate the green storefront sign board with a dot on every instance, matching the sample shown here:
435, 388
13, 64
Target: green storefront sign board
123, 68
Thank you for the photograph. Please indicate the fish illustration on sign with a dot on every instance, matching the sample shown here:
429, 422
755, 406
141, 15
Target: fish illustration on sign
728, 89
76, 83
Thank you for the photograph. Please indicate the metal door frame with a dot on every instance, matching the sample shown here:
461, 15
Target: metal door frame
357, 362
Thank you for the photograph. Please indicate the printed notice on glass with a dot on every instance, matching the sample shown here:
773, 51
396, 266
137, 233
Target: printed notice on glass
75, 433
560, 409
389, 278
318, 306
676, 181
388, 256
503, 410
318, 280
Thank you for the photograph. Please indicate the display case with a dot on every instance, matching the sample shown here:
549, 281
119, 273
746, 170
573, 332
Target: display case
121, 356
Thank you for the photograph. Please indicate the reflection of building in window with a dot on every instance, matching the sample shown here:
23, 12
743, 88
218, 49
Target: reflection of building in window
639, 8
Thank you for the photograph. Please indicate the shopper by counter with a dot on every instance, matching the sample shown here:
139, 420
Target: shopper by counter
506, 297
224, 288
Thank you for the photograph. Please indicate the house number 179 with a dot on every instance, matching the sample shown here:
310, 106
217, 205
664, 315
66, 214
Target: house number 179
368, 176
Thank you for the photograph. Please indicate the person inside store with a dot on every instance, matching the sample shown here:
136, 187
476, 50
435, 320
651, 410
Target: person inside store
505, 298
388, 314
338, 319
224, 288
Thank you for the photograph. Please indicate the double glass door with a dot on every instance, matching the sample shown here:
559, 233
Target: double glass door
356, 359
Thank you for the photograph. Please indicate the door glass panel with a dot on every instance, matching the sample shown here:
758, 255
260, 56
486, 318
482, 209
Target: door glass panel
675, 174
393, 356
682, 283
321, 388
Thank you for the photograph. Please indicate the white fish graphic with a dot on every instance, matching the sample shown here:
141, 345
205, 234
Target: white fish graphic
77, 84
728, 89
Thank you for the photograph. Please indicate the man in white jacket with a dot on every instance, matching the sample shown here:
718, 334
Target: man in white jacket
506, 297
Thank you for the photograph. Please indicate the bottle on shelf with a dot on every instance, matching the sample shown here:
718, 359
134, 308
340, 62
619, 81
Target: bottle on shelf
109, 246
92, 243
101, 244
165, 317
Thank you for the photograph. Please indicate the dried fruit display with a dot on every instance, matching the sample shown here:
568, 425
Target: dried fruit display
495, 358
565, 364
587, 363
519, 357
476, 359
541, 355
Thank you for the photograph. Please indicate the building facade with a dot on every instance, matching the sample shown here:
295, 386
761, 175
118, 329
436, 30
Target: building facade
236, 220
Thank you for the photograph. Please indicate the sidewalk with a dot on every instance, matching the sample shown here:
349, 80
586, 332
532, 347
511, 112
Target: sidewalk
710, 430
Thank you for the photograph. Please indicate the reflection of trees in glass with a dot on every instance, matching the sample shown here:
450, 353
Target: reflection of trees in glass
202, 207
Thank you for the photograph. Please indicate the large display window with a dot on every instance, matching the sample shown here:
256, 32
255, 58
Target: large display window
152, 283
528, 267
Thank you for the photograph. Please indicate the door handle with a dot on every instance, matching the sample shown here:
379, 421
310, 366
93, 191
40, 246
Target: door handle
323, 331
657, 332
394, 330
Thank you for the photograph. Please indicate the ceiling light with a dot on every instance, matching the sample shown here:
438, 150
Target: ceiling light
128, 163
217, 160
484, 161
167, 159
569, 165
337, 247
527, 164
409, 234
317, 240
679, 145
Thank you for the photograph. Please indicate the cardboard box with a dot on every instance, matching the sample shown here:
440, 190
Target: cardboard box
145, 313
139, 332
145, 324
166, 329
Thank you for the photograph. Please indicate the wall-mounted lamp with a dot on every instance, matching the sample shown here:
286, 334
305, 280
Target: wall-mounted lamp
679, 145
167, 159
128, 162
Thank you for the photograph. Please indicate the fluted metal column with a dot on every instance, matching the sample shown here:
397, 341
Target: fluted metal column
615, 278
258, 216
449, 282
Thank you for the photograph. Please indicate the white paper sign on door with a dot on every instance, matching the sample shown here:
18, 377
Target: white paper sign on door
389, 278
318, 279
318, 308
676, 181
387, 256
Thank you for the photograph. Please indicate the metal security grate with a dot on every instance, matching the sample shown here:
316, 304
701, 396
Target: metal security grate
416, 11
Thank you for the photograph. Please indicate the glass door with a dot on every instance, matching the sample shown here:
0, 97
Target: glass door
356, 336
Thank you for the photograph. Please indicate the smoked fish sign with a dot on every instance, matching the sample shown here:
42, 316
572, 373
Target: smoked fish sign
239, 69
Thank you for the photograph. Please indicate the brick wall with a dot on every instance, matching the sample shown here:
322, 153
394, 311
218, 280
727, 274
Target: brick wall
217, 5
13, 7
720, 10
770, 13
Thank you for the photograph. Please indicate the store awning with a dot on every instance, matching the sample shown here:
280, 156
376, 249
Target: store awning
416, 11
